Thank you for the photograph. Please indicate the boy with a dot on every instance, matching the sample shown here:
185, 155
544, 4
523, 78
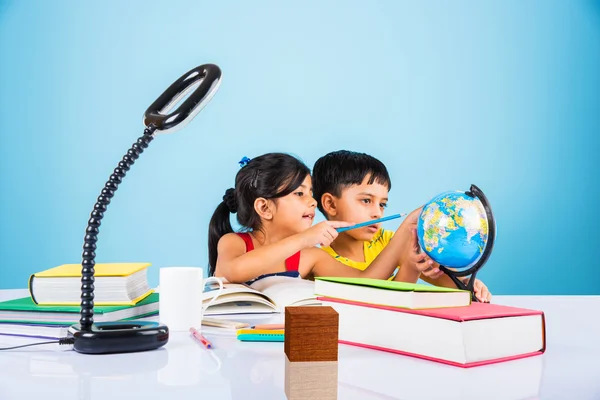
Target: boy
351, 186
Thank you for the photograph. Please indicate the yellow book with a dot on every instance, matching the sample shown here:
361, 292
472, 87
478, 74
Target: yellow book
260, 332
115, 284
100, 269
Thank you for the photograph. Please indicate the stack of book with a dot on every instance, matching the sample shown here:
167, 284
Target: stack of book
430, 322
121, 293
260, 335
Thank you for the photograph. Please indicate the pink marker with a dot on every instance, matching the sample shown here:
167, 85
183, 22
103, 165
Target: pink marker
201, 338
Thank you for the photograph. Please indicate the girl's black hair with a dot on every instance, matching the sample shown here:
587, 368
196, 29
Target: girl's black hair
269, 176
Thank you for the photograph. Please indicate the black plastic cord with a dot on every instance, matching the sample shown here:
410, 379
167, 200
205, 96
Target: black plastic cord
61, 341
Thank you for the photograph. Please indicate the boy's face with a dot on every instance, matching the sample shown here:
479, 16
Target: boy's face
360, 203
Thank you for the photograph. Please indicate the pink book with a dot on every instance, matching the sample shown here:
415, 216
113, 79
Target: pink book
470, 336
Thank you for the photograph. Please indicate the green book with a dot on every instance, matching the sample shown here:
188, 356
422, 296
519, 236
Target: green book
391, 293
24, 310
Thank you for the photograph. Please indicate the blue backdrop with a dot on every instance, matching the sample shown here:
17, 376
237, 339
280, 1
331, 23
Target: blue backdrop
502, 94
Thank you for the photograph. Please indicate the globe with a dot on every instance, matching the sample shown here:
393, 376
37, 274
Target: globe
456, 229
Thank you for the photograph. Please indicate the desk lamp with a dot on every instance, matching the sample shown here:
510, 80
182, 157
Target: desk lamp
122, 337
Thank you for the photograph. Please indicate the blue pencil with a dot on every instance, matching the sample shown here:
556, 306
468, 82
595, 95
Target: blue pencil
375, 221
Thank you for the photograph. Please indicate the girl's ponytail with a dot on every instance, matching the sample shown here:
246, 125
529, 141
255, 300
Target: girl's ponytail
220, 225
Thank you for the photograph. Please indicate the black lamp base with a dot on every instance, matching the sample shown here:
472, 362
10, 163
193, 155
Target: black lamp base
119, 337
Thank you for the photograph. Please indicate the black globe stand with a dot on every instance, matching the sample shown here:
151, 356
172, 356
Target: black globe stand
460, 284
475, 192
122, 337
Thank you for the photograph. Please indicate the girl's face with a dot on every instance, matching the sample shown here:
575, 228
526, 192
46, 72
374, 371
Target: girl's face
296, 211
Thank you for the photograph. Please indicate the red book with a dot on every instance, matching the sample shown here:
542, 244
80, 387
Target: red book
478, 334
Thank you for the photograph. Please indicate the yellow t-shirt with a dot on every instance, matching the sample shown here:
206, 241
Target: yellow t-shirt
371, 250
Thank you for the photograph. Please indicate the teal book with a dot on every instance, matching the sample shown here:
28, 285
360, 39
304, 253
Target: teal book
261, 337
25, 311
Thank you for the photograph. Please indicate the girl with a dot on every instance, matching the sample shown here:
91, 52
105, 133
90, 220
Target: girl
273, 201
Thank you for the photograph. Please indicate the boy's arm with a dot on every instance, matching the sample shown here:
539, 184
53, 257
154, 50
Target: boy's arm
432, 274
412, 259
415, 260
319, 263
315, 262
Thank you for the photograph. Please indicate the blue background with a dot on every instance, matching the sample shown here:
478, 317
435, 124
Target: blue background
502, 94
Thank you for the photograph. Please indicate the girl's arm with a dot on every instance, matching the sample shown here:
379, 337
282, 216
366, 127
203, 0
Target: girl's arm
237, 265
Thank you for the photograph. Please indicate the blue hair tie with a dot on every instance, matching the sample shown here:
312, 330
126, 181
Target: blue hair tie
244, 161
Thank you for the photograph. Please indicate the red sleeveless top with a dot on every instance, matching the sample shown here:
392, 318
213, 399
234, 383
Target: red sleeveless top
291, 263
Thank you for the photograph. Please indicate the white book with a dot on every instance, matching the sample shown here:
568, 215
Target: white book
470, 336
267, 295
422, 380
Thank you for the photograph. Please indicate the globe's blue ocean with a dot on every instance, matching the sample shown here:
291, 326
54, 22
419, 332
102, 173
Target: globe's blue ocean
453, 229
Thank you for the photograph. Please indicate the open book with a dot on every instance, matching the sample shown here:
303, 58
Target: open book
267, 295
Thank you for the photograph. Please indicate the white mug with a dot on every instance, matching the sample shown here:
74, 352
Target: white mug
180, 300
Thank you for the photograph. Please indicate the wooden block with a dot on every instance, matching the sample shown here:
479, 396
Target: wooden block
311, 333
311, 380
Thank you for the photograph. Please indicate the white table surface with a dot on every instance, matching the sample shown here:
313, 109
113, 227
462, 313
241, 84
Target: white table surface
570, 368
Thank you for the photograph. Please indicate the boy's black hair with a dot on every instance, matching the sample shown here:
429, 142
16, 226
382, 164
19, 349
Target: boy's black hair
340, 169
271, 176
